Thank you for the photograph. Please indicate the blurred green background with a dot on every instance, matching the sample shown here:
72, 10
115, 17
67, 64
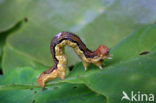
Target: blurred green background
126, 26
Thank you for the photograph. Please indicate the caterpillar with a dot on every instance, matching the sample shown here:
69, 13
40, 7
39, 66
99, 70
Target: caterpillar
60, 60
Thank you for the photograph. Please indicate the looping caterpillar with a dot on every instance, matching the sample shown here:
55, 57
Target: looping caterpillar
60, 60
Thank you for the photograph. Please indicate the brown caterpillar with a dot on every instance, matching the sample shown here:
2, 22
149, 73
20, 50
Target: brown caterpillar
60, 60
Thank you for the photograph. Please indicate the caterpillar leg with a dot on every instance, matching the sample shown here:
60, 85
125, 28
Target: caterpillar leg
85, 64
100, 67
85, 68
99, 64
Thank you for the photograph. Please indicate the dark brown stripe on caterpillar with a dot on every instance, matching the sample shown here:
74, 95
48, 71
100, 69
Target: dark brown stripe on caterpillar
60, 61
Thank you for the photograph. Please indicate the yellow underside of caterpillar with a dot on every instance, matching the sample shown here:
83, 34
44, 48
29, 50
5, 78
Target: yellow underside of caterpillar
61, 66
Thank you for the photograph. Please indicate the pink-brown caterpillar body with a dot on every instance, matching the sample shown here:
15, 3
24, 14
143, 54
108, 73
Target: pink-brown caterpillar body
60, 60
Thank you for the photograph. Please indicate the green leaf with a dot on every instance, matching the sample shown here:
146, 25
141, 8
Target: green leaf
97, 22
103, 22
134, 73
142, 40
3, 36
11, 13
14, 59
19, 85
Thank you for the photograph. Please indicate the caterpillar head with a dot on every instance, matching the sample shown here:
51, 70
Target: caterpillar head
103, 52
